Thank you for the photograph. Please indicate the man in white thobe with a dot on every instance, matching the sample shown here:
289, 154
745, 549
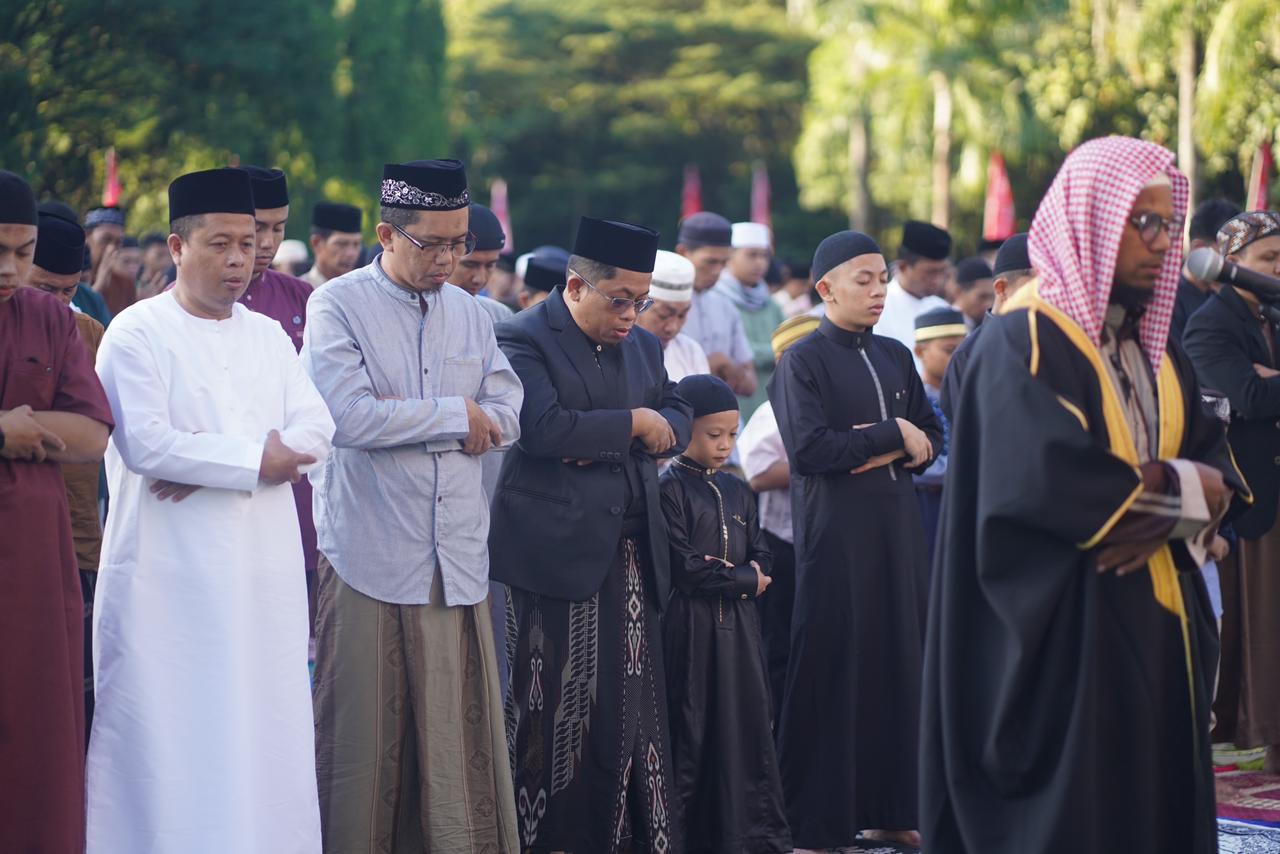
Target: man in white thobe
203, 736
919, 279
672, 293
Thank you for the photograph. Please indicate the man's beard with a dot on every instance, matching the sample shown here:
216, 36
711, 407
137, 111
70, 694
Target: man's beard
1133, 299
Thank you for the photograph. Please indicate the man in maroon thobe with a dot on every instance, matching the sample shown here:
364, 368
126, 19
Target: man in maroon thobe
283, 298
52, 410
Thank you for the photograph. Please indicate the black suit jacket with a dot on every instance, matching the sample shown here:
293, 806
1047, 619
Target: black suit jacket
1187, 303
1224, 340
555, 526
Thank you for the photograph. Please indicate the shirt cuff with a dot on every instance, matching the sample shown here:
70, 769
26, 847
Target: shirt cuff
1194, 516
745, 581
885, 437
1195, 525
453, 420
250, 466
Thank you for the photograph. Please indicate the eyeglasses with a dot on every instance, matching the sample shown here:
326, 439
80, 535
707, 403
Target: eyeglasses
457, 248
1150, 224
618, 305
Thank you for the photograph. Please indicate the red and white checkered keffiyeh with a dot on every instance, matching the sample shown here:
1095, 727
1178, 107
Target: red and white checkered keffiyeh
1075, 235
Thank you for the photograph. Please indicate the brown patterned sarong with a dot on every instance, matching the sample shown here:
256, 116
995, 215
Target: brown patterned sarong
410, 745
586, 718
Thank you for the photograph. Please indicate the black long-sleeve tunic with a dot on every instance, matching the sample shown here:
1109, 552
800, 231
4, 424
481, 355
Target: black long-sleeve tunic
717, 688
849, 728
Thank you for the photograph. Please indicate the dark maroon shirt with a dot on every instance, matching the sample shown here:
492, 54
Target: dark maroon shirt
44, 364
282, 298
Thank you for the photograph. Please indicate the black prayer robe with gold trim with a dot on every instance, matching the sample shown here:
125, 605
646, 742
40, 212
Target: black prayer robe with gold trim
1063, 710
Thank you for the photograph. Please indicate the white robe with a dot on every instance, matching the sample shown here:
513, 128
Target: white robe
203, 736
683, 356
900, 312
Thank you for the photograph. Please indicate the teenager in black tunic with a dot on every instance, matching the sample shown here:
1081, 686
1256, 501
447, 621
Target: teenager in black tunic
726, 774
856, 424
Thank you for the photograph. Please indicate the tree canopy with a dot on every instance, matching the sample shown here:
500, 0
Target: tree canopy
592, 106
318, 91
864, 111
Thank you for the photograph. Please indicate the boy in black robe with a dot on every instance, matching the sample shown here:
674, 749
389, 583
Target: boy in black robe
726, 774
857, 425
1070, 653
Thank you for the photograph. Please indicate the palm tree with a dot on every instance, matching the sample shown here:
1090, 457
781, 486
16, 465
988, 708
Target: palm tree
916, 76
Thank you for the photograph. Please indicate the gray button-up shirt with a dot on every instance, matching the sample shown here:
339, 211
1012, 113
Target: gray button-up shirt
397, 498
714, 322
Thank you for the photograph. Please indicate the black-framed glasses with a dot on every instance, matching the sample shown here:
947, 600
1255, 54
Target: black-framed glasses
618, 305
458, 248
1150, 224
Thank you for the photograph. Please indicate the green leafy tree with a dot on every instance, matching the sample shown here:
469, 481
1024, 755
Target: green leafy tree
590, 106
327, 93
908, 101
1239, 94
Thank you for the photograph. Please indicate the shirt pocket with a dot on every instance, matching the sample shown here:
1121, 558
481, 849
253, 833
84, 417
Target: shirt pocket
897, 401
30, 382
461, 377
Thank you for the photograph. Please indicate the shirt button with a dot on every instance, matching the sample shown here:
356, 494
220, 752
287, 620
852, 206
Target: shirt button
744, 596
440, 499
616, 511
615, 468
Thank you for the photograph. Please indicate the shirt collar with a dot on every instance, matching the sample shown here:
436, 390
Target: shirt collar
689, 468
843, 337
1119, 322
395, 291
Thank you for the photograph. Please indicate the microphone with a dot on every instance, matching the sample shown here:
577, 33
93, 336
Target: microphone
1208, 266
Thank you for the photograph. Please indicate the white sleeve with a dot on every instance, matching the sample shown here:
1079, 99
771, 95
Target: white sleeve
698, 358
144, 435
760, 443
308, 426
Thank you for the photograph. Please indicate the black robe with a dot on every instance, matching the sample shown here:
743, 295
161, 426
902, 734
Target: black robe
954, 377
726, 772
1064, 710
847, 740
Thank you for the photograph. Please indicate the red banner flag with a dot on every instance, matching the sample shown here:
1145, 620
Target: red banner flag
498, 204
111, 183
760, 195
1260, 179
691, 195
998, 219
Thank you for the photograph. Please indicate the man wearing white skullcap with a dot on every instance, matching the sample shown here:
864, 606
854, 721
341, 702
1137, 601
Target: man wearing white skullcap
672, 293
743, 282
290, 255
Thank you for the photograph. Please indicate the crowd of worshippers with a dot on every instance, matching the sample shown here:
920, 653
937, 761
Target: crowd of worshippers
629, 549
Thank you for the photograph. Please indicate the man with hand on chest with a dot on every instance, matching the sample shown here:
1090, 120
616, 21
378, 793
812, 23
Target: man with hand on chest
200, 623
52, 410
